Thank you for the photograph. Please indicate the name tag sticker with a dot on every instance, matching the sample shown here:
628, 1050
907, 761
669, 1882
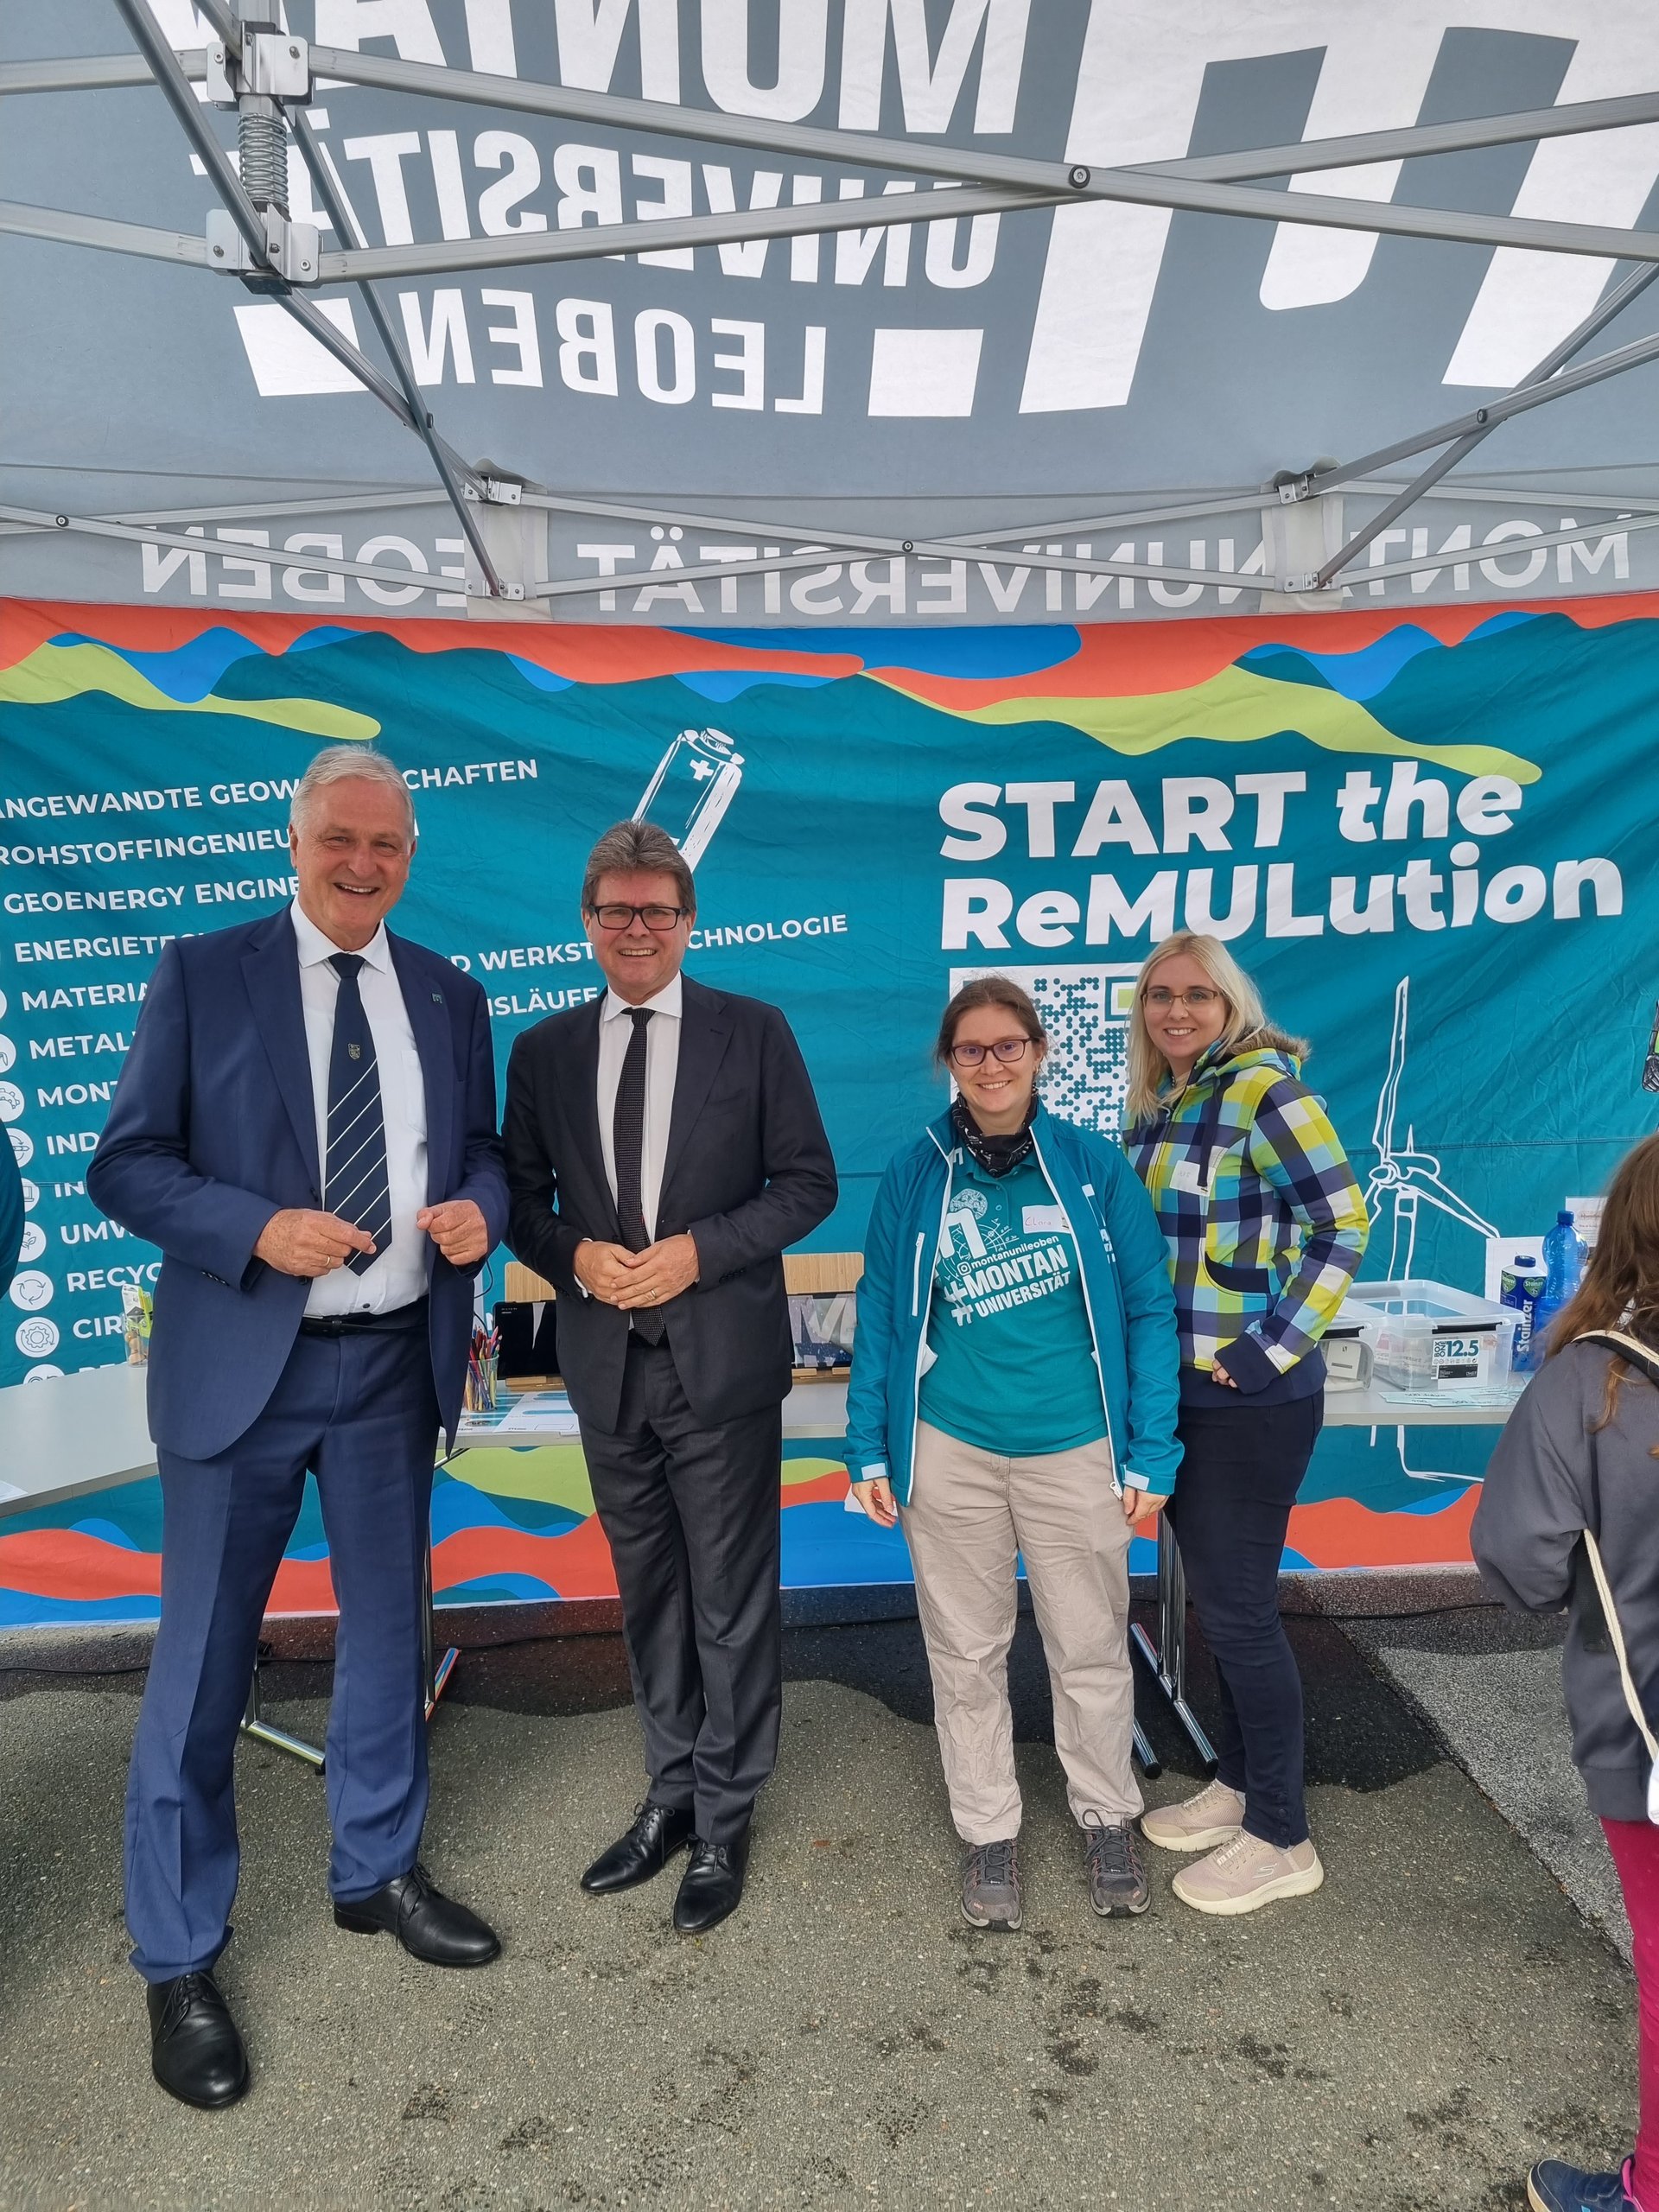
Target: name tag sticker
1038, 1218
1183, 1176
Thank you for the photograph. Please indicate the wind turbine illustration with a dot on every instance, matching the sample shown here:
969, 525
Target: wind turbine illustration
1404, 1176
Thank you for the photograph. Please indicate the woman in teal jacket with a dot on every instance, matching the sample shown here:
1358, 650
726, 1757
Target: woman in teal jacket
1014, 1392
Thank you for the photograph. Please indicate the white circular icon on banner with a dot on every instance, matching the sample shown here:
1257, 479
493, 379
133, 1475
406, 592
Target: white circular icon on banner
22, 1146
33, 1242
31, 1290
42, 1374
3, 1003
31, 1195
11, 1101
8, 1054
37, 1339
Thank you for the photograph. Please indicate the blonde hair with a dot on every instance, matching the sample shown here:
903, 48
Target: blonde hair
1149, 1069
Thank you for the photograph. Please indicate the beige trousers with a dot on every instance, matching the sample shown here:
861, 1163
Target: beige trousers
970, 1512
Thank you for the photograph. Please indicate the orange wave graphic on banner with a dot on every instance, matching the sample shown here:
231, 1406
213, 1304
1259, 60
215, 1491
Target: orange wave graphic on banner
1121, 660
71, 1565
583, 653
1340, 1532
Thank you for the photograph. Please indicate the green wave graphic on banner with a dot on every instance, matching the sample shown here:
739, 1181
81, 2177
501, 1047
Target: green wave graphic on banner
1237, 707
53, 673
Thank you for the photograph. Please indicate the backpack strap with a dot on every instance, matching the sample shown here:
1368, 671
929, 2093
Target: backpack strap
1625, 1347
1642, 1358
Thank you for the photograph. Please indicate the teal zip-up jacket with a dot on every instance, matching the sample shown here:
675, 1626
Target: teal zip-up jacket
1125, 1272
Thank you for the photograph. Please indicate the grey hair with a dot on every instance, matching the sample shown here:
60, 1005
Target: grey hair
638, 849
342, 764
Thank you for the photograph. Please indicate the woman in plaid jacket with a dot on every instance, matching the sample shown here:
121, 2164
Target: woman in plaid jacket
1266, 1226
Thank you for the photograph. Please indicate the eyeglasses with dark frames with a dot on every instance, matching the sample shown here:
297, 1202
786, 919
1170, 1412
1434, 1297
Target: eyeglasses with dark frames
1006, 1049
1196, 999
662, 919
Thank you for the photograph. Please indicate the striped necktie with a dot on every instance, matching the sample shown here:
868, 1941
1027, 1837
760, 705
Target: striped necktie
355, 1184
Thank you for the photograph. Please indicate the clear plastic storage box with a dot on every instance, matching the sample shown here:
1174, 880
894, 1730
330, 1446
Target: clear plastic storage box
1426, 1336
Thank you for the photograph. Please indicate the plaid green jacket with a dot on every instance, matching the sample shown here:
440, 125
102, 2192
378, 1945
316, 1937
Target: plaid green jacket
1263, 1216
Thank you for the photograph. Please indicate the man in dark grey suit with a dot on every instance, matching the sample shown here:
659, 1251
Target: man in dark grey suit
664, 1146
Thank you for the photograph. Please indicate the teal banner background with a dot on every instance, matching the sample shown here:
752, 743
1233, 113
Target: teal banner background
906, 806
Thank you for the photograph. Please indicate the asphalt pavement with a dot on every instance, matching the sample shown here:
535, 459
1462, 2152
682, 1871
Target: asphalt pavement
1412, 2037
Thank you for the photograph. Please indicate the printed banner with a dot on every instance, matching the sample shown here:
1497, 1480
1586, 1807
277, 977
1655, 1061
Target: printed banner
1427, 839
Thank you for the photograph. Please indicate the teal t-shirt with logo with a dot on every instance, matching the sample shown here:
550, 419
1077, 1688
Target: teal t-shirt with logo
1014, 1369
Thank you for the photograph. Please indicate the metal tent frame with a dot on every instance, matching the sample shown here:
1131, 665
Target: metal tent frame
266, 75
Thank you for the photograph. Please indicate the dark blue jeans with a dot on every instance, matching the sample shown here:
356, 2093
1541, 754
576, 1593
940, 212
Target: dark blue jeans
1240, 1471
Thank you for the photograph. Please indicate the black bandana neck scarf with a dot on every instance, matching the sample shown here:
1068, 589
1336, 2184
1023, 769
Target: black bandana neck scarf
996, 1155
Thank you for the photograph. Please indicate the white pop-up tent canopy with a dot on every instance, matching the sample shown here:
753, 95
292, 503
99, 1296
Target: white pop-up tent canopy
629, 309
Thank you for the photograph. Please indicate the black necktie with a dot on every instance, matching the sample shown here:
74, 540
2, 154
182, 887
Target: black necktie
355, 1184
628, 1147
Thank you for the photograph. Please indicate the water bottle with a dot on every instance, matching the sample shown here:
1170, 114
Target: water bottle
1564, 1254
1521, 1288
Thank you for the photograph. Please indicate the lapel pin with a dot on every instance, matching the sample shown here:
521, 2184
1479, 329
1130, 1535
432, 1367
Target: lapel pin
356, 1051
437, 998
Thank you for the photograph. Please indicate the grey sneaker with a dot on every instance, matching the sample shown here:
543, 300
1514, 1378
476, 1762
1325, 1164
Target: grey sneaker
990, 1885
1118, 1888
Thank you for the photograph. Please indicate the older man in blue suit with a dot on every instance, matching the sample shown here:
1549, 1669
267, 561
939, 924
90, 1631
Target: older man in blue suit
306, 1127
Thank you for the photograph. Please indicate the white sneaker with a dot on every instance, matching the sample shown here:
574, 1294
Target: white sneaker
1195, 1823
1245, 1873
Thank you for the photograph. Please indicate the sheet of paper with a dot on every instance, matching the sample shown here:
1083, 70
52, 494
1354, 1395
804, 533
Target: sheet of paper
532, 1413
1500, 1400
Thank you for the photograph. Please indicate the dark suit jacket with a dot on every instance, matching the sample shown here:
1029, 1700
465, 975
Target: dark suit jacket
748, 1171
213, 1131
11, 1213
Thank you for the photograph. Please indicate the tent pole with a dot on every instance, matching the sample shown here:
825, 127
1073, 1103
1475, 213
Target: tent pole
818, 217
334, 204
1306, 157
175, 90
1067, 182
33, 520
1597, 321
408, 406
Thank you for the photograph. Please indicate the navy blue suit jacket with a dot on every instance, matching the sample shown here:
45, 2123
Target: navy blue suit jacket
213, 1131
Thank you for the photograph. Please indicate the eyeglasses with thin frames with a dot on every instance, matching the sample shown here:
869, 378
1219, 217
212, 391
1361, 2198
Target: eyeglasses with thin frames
1006, 1049
662, 919
1196, 999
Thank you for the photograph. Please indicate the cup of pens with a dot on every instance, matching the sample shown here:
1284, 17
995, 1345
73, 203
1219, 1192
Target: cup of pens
481, 1363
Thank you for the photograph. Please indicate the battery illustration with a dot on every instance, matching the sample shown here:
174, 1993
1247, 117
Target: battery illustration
691, 790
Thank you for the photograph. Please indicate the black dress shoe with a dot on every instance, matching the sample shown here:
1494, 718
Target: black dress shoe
195, 2052
712, 1886
658, 1832
428, 1925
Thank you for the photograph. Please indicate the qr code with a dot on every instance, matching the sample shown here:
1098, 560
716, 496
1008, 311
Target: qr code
1086, 1013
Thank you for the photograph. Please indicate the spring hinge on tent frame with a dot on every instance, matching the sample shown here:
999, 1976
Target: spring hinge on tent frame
272, 67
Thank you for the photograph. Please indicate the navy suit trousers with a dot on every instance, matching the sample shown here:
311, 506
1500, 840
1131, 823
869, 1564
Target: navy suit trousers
360, 1413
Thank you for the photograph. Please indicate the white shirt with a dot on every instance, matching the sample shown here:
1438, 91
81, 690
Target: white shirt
397, 1276
662, 1066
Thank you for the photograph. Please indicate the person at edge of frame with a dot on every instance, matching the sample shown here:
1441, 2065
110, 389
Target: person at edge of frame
11, 1216
305, 1126
1014, 1393
664, 1146
1266, 1226
1575, 1463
